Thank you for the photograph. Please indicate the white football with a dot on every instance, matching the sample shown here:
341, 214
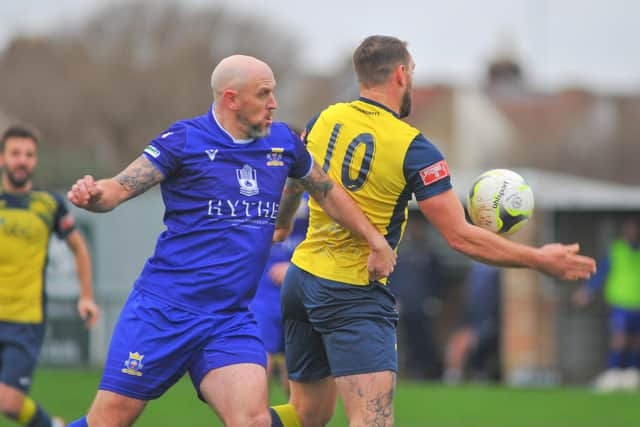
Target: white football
500, 200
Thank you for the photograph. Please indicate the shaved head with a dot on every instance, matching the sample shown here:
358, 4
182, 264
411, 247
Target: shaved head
243, 99
234, 72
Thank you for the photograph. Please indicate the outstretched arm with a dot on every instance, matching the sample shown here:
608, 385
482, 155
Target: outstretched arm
447, 214
343, 209
105, 194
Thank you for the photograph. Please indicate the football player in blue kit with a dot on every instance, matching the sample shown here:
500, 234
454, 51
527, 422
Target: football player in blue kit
221, 176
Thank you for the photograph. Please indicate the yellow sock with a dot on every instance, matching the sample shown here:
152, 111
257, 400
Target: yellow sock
27, 411
287, 415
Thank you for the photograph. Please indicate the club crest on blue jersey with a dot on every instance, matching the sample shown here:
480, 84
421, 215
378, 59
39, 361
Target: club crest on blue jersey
248, 180
275, 157
133, 365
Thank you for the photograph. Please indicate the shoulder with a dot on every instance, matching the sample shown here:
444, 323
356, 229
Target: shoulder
281, 132
46, 196
46, 201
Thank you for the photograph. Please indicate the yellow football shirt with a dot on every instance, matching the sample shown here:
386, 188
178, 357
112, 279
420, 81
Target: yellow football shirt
26, 223
381, 161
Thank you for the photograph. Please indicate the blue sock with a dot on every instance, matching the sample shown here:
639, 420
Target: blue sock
634, 359
40, 418
275, 419
82, 422
615, 359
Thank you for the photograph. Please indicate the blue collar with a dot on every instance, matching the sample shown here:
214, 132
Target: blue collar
377, 104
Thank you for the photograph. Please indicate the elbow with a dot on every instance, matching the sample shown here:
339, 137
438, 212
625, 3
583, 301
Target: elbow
457, 243
457, 240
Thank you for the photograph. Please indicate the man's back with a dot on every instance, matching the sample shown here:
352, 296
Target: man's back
378, 158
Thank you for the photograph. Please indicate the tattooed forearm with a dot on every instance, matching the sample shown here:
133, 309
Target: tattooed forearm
139, 176
318, 184
289, 202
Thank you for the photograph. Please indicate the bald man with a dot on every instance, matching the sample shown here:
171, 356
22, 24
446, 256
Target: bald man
221, 177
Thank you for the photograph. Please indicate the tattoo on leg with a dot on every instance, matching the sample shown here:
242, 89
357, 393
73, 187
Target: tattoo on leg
380, 410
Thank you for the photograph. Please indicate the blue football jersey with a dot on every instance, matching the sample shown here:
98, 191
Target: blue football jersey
221, 200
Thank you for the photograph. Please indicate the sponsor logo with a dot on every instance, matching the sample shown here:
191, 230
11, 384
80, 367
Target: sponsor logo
248, 180
212, 154
275, 157
243, 208
24, 381
152, 151
133, 365
166, 134
435, 172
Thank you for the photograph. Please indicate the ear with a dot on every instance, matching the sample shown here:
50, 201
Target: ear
400, 74
230, 99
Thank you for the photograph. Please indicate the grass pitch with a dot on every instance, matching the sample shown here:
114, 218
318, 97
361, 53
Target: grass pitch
68, 392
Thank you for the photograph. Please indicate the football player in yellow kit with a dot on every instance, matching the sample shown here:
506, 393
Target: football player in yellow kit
341, 327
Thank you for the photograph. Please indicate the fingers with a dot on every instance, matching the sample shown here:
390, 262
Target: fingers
381, 264
573, 248
83, 191
579, 267
89, 312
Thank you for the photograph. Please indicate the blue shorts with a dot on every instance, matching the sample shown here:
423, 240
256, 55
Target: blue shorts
624, 320
337, 329
20, 345
155, 343
270, 328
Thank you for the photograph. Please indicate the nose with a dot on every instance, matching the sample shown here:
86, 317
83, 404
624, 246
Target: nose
272, 104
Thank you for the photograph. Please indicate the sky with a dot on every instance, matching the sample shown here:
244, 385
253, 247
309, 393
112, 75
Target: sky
593, 44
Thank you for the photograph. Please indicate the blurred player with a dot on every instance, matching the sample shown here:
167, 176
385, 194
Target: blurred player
221, 176
27, 219
340, 326
619, 272
473, 351
266, 304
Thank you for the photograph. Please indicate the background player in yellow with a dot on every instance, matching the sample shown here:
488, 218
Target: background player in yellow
27, 219
340, 327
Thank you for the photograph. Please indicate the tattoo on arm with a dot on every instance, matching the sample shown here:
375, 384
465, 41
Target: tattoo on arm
317, 183
139, 176
289, 202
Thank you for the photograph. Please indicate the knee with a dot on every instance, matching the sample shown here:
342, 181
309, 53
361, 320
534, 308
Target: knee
113, 410
315, 417
256, 419
11, 401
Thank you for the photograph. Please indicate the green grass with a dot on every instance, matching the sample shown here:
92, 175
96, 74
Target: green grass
69, 392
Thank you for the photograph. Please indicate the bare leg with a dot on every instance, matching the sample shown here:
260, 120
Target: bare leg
238, 394
314, 401
114, 410
368, 398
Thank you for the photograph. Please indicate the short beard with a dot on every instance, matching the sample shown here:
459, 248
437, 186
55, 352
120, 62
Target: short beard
253, 131
405, 106
18, 183
257, 131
